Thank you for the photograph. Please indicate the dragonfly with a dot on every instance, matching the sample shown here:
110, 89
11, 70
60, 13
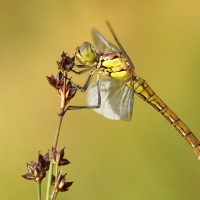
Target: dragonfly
115, 91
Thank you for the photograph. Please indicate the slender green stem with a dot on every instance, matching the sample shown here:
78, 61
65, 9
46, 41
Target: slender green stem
49, 181
63, 104
55, 196
56, 170
58, 128
39, 190
62, 108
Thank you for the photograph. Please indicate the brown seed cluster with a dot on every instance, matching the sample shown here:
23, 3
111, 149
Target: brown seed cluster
65, 65
57, 157
37, 171
59, 184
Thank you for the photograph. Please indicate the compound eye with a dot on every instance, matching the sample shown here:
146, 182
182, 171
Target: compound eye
87, 52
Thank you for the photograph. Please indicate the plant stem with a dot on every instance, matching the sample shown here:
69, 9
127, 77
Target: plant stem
55, 196
62, 108
58, 128
63, 104
39, 190
56, 170
49, 181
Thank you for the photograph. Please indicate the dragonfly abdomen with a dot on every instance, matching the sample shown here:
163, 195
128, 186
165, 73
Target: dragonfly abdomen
143, 90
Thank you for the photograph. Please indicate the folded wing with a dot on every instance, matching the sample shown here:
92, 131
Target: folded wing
116, 98
101, 43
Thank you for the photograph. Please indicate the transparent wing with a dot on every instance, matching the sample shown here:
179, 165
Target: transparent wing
120, 46
116, 98
101, 43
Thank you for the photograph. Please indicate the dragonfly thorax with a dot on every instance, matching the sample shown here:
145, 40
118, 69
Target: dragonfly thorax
114, 64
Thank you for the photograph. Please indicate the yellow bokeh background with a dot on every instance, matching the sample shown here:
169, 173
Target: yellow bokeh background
142, 159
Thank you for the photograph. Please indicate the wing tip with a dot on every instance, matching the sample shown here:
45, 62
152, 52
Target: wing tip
94, 30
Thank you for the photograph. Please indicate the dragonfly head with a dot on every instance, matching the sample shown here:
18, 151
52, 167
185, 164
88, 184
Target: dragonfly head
87, 52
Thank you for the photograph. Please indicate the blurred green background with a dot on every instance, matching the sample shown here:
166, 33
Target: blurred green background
143, 159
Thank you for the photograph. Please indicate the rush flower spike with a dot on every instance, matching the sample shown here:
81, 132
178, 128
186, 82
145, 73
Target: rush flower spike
66, 63
57, 157
37, 171
61, 185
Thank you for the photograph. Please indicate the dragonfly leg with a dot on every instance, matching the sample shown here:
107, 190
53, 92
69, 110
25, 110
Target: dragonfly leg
83, 71
84, 88
81, 66
87, 107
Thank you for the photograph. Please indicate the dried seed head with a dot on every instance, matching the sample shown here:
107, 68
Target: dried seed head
57, 157
57, 82
70, 90
66, 63
37, 171
61, 186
